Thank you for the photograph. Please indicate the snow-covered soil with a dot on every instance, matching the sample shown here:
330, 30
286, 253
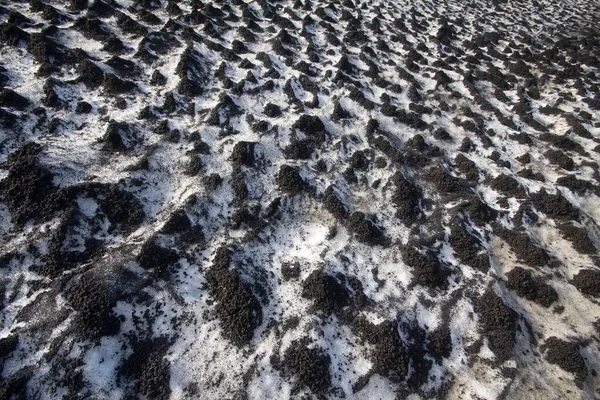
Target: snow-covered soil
277, 199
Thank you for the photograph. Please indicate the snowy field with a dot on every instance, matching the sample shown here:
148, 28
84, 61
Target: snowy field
299, 199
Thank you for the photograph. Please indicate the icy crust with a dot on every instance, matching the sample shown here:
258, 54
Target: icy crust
299, 199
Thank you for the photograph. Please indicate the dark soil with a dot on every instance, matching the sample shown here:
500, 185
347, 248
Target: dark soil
178, 222
559, 158
273, 111
333, 204
530, 287
158, 79
312, 127
405, 197
563, 142
440, 343
93, 301
123, 209
442, 180
193, 71
289, 180
157, 258
120, 137
555, 206
327, 293
526, 251
587, 281
148, 368
113, 85
498, 323
236, 306
508, 186
83, 108
7, 346
365, 230
529, 174
28, 186
578, 237
290, 271
389, 357
567, 356
578, 186
426, 268
467, 247
467, 167
10, 98
48, 53
300, 149
15, 386
243, 153
310, 367
90, 74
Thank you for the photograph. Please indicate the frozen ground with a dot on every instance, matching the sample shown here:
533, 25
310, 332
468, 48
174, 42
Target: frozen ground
309, 199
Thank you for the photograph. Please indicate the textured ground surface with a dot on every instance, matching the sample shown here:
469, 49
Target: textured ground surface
309, 199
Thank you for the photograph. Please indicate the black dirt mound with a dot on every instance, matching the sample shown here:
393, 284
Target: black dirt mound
567, 356
10, 98
123, 209
442, 180
48, 53
560, 159
148, 368
467, 167
498, 323
272, 110
12, 35
53, 97
157, 258
7, 346
578, 237
532, 288
578, 186
113, 85
555, 206
526, 251
289, 180
236, 306
93, 28
28, 186
562, 142
243, 154
508, 186
93, 301
426, 268
222, 113
587, 281
365, 230
90, 74
178, 222
312, 127
290, 271
440, 343
406, 197
120, 137
300, 149
14, 386
193, 71
61, 257
310, 367
389, 356
467, 247
327, 293
333, 204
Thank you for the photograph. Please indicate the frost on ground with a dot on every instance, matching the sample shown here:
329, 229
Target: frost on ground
309, 199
